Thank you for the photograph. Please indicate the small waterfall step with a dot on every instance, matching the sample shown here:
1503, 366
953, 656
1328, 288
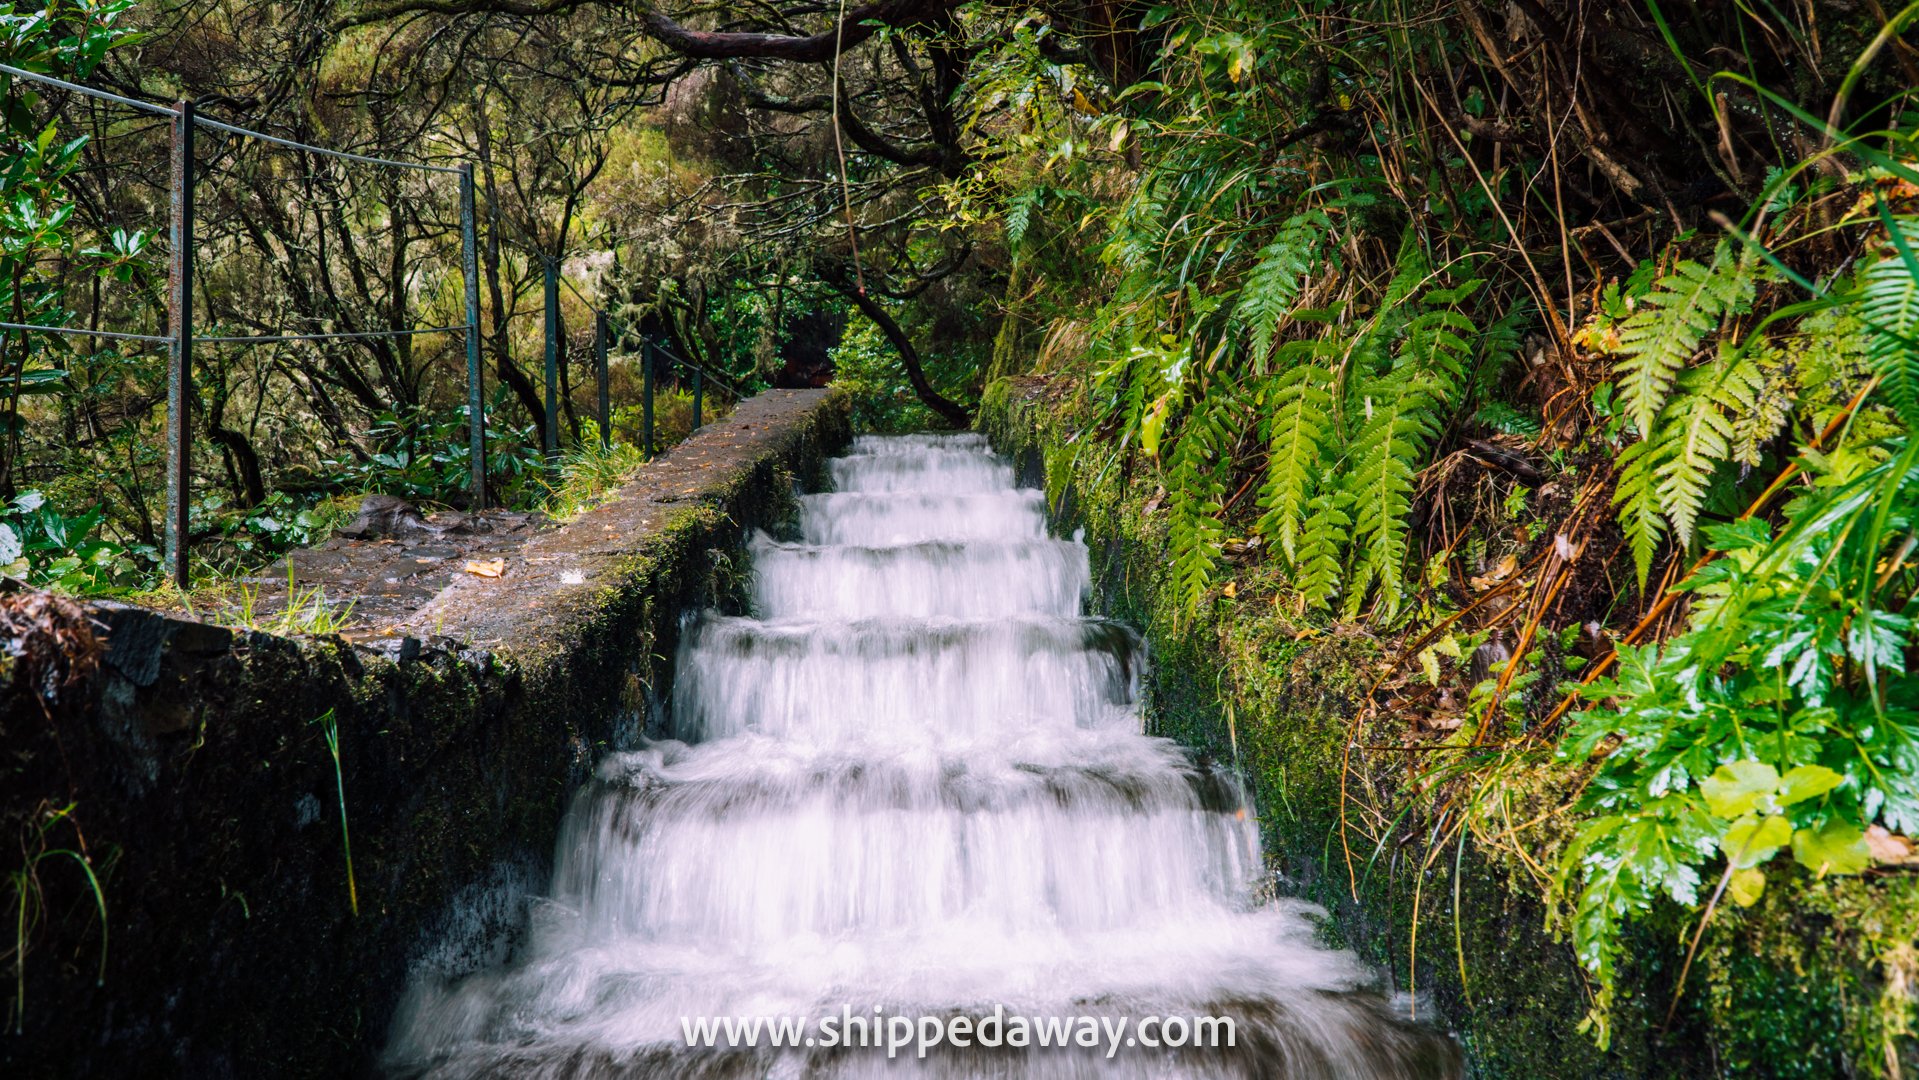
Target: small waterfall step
914, 782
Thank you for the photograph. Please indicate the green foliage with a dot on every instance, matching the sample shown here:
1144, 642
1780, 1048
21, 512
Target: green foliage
330, 728
66, 38
1299, 407
1195, 488
865, 366
424, 455
1347, 409
1889, 303
1659, 339
1290, 306
51, 550
590, 474
241, 536
1784, 717
307, 612
1274, 283
29, 904
1663, 479
1689, 419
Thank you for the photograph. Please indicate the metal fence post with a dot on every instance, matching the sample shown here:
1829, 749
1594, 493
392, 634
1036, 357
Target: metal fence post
605, 416
475, 398
699, 391
646, 395
180, 350
552, 361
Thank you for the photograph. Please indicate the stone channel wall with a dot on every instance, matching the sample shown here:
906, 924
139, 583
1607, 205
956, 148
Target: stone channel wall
204, 791
1817, 980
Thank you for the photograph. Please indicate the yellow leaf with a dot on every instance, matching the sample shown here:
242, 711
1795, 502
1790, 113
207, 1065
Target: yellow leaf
1429, 663
1746, 886
1752, 839
1834, 848
1734, 789
1231, 589
489, 568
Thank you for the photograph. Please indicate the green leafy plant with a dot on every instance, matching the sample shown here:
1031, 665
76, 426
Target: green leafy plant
589, 474
68, 38
1784, 717
424, 455
51, 550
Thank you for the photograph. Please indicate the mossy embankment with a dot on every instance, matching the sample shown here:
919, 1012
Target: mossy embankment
1816, 980
205, 798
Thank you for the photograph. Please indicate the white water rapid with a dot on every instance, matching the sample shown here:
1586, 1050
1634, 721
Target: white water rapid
915, 781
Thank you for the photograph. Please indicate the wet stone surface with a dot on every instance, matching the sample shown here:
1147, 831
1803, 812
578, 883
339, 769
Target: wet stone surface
397, 571
387, 578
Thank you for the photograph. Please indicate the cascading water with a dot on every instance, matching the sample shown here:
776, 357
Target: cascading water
914, 785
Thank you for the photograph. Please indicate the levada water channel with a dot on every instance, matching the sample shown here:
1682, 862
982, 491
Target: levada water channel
911, 823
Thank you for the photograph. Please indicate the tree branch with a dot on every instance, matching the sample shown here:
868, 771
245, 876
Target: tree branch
837, 275
860, 24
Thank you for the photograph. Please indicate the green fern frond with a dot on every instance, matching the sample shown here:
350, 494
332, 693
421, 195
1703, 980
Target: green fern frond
1660, 338
1502, 417
1772, 404
1499, 346
1300, 406
1019, 216
1437, 346
1411, 268
1317, 570
1637, 497
1399, 410
1196, 487
1274, 284
1699, 435
1889, 305
1195, 534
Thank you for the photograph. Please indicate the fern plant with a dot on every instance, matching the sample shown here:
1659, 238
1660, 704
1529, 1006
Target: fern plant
1299, 407
1782, 719
1402, 409
1663, 479
1889, 303
1273, 286
1196, 488
1659, 339
1687, 418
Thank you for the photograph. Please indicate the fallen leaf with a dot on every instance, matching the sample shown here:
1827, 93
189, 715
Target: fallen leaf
1497, 574
1888, 847
489, 568
1231, 589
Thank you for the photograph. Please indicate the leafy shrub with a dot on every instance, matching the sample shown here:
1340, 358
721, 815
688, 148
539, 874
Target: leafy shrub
883, 401
51, 550
1783, 718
